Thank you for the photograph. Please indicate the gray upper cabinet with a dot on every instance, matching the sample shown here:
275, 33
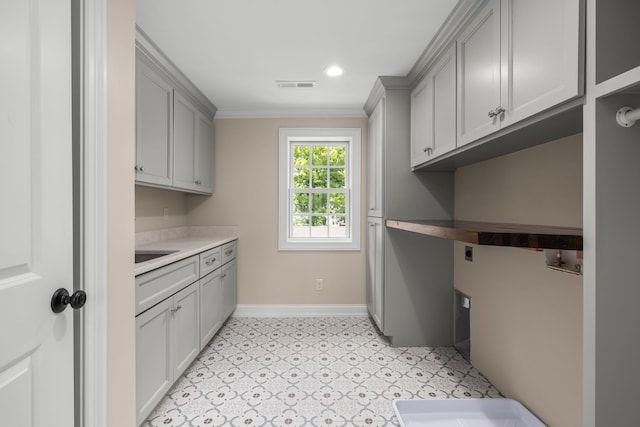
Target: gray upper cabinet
517, 58
193, 147
174, 125
541, 56
433, 111
479, 75
154, 126
375, 136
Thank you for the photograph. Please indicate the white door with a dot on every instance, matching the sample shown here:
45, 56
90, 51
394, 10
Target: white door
36, 246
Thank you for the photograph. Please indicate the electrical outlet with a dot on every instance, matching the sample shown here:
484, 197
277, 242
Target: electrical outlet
468, 253
319, 284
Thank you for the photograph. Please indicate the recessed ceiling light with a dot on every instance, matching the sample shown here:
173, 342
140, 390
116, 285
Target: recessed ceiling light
333, 70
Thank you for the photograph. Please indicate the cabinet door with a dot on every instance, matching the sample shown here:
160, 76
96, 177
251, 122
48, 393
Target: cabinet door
229, 288
479, 75
204, 155
185, 334
375, 281
443, 106
210, 306
541, 65
185, 118
193, 147
421, 143
433, 111
154, 126
153, 357
375, 160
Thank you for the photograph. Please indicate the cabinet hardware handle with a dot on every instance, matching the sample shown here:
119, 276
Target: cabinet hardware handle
499, 110
198, 182
228, 252
136, 168
492, 114
141, 168
178, 307
427, 150
210, 261
224, 275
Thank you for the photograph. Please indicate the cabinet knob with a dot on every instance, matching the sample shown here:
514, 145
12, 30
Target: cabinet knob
178, 307
198, 182
141, 168
224, 275
496, 112
228, 252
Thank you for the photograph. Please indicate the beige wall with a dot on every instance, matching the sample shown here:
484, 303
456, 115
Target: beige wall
526, 320
246, 195
120, 212
150, 205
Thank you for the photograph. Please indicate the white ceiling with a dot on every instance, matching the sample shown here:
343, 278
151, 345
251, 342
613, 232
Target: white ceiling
235, 50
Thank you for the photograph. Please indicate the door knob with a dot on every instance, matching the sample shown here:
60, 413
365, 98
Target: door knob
61, 299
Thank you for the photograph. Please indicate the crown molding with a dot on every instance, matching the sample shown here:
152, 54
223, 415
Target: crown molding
457, 19
383, 84
293, 112
148, 50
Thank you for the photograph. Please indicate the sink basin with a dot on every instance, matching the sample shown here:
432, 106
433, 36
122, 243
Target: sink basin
142, 256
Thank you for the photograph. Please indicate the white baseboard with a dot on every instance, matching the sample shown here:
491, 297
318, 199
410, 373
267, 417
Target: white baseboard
299, 310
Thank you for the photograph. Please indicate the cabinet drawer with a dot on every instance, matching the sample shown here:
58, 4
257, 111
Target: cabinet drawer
228, 252
210, 260
159, 284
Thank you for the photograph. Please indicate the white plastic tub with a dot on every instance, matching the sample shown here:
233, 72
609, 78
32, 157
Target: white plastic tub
464, 413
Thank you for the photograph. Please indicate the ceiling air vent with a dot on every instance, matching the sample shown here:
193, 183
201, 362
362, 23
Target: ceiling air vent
296, 84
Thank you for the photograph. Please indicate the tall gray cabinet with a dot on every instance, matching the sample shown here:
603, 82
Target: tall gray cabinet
409, 277
611, 212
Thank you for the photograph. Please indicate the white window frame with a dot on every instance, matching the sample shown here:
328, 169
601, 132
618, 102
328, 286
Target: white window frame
287, 138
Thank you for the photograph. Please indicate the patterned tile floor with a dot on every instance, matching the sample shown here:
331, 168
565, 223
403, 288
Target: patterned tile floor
330, 371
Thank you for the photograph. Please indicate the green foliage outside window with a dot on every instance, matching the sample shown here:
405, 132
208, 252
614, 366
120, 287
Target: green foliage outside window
319, 167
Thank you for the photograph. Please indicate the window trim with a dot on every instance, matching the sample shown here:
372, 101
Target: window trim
352, 136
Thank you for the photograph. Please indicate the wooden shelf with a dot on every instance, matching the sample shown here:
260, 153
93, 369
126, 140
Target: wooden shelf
496, 234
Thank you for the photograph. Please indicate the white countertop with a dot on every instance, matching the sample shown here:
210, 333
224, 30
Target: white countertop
187, 241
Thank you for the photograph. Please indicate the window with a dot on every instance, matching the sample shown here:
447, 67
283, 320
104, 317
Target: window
319, 189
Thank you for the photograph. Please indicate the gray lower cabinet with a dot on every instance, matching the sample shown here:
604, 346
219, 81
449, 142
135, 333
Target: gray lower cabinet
218, 295
186, 328
153, 359
375, 290
229, 273
179, 309
167, 341
210, 306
